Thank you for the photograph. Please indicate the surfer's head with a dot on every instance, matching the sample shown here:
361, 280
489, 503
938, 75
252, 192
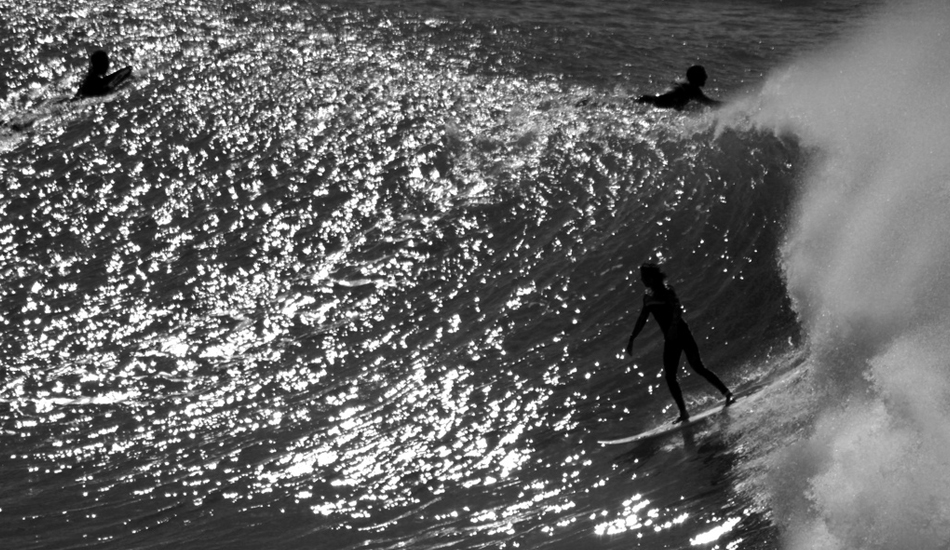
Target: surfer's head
651, 274
696, 75
99, 62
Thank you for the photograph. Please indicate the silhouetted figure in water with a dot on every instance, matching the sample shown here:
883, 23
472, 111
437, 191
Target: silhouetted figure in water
661, 301
97, 83
683, 93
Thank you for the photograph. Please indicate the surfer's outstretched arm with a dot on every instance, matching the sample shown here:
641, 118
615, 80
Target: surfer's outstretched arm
641, 321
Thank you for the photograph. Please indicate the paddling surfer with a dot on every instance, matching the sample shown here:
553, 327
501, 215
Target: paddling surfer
683, 93
97, 82
661, 301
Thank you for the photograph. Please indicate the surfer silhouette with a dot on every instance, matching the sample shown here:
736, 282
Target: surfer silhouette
661, 301
683, 93
97, 82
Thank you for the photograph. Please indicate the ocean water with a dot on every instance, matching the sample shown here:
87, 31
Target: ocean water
360, 274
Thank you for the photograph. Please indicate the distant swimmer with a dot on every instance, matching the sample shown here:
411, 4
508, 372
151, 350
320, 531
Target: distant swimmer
97, 83
661, 301
683, 93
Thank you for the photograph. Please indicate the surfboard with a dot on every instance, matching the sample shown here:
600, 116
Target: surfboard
666, 429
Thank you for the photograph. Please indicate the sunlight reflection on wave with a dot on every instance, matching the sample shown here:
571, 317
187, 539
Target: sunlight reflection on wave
309, 261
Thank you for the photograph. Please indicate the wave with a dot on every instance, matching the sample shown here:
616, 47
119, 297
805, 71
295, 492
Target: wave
363, 272
866, 262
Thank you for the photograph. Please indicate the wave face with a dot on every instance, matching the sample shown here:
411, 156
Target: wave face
356, 277
866, 260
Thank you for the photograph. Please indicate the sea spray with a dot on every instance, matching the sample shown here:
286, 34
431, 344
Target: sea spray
867, 263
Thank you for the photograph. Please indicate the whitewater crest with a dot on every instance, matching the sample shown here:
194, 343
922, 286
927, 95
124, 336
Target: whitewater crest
867, 266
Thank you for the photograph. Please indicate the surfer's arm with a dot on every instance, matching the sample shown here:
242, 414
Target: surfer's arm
641, 321
677, 98
669, 100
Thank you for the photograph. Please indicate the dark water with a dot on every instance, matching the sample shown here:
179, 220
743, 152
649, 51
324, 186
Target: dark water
360, 275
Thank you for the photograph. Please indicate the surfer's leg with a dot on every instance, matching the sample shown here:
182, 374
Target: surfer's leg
671, 360
696, 362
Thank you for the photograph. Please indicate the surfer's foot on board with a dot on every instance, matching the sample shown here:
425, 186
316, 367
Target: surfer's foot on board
730, 399
683, 418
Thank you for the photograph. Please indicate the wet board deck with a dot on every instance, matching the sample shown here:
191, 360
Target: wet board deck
668, 428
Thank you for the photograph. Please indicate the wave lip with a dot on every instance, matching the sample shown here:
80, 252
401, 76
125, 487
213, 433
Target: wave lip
867, 265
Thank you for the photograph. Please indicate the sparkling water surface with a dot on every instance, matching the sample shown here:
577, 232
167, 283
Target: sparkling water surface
359, 275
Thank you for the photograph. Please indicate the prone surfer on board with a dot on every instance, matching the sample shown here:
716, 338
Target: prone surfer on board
683, 93
661, 301
97, 82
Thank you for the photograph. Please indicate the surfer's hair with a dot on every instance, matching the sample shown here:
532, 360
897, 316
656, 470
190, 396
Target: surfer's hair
650, 269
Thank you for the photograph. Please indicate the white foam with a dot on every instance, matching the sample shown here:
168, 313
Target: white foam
867, 261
